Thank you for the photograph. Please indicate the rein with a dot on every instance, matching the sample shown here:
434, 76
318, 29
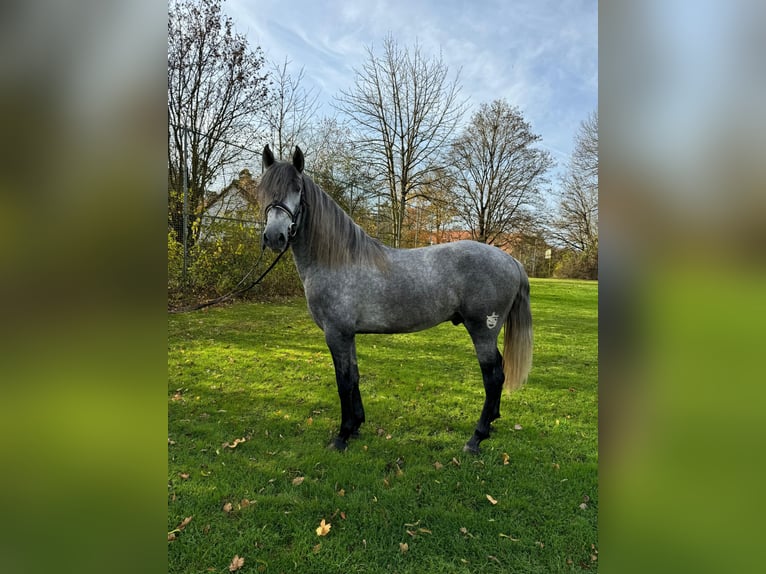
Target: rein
292, 231
235, 291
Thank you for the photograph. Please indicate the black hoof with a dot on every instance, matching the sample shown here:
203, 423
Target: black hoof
470, 447
355, 433
338, 444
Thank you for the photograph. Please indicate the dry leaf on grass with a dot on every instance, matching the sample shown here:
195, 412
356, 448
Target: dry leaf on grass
324, 528
403, 547
506, 458
509, 537
236, 563
298, 480
227, 507
234, 443
492, 501
517, 427
438, 465
173, 534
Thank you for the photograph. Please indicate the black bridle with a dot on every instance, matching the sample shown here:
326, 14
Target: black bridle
292, 231
293, 227
295, 216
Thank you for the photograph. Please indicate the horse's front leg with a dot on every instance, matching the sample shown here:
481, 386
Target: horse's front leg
343, 350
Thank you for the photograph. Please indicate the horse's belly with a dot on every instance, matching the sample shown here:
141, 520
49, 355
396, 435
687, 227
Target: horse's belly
403, 315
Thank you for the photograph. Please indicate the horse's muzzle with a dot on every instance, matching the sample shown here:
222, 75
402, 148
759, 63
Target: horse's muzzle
274, 240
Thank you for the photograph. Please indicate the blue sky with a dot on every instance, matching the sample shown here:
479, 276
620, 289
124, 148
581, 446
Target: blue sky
539, 55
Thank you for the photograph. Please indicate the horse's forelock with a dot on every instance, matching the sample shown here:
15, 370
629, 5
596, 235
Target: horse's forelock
276, 183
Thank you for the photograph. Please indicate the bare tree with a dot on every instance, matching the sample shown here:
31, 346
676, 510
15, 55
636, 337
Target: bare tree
499, 174
290, 109
576, 223
439, 209
405, 109
216, 88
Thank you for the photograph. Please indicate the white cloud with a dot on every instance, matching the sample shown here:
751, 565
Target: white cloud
538, 55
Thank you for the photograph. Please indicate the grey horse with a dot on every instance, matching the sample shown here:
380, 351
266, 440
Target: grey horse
354, 284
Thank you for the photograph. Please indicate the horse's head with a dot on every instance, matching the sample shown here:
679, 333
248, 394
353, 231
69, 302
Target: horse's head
281, 192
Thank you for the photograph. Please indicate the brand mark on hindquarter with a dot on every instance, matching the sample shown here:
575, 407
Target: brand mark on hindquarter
491, 321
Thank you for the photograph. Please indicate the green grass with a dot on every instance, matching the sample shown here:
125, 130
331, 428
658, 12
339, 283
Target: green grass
262, 372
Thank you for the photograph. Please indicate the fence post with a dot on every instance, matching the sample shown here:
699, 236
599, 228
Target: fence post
186, 210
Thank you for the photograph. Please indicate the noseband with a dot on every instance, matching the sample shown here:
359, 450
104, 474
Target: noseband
292, 230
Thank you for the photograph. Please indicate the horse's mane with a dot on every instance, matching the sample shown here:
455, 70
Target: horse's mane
333, 238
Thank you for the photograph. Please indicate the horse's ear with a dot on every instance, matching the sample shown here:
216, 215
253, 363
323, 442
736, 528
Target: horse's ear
298, 159
268, 157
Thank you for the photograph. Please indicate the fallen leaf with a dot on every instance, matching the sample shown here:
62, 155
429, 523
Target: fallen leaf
171, 536
234, 443
309, 421
583, 506
455, 461
403, 547
244, 503
411, 533
236, 563
298, 480
316, 548
463, 530
343, 515
540, 544
171, 441
506, 458
517, 427
227, 507
388, 437
184, 475
509, 537
342, 492
324, 528
492, 501
185, 522
438, 465
424, 531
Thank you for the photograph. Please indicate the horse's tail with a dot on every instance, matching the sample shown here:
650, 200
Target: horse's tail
517, 345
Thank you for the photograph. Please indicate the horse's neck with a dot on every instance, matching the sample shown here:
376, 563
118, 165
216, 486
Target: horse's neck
302, 256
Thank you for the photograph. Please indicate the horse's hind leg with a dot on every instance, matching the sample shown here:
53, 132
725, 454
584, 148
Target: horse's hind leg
491, 363
343, 350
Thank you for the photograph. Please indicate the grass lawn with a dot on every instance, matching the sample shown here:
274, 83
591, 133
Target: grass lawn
403, 497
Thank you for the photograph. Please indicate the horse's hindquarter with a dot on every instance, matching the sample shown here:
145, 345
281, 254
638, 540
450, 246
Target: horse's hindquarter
420, 289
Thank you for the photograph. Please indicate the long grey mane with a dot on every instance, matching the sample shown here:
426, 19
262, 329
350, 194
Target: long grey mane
333, 238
